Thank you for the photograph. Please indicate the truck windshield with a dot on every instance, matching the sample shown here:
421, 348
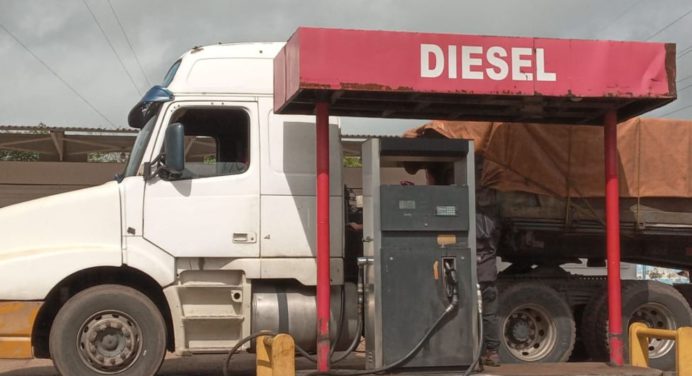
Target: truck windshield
138, 148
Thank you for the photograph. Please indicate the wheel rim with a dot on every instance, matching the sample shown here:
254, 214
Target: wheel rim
656, 316
109, 342
529, 333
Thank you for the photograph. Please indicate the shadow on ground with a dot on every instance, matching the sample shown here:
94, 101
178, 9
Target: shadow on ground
198, 365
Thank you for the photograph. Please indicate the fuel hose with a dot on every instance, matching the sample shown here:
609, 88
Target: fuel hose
453, 305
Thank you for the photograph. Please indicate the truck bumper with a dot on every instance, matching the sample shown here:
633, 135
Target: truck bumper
16, 324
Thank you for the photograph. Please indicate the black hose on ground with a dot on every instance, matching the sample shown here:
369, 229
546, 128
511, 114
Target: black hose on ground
454, 304
450, 308
302, 351
334, 372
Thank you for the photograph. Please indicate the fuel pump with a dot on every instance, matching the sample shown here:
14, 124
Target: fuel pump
419, 241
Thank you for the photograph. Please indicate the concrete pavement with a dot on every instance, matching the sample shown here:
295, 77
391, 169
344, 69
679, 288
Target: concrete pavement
243, 365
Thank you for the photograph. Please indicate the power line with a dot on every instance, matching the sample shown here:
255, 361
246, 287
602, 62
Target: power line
678, 110
686, 87
685, 52
618, 17
105, 36
117, 19
670, 24
16, 39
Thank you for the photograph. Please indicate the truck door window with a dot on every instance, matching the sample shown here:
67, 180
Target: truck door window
217, 141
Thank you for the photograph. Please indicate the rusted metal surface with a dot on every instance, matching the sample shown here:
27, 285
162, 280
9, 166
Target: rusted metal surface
16, 324
417, 75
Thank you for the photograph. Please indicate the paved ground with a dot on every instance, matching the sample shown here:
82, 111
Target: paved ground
243, 365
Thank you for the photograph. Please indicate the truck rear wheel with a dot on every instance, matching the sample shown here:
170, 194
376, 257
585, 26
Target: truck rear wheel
108, 330
588, 328
658, 306
536, 325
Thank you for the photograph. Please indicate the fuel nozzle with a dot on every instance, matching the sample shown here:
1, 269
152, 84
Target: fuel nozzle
451, 281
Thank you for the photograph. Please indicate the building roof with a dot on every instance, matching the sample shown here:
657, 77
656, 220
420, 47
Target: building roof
34, 128
65, 143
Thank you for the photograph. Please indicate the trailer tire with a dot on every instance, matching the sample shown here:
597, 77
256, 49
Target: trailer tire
657, 305
592, 334
108, 330
536, 325
588, 328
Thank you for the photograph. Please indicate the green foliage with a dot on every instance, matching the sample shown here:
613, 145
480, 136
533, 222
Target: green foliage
352, 161
15, 155
110, 157
24, 156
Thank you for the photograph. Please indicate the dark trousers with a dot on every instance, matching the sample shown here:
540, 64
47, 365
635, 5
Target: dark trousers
491, 327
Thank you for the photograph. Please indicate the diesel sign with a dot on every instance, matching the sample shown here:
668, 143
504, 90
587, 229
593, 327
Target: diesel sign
473, 63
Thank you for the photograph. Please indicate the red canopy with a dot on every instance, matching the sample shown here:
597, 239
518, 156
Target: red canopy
471, 77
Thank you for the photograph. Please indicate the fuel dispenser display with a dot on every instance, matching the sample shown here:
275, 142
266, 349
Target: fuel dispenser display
419, 241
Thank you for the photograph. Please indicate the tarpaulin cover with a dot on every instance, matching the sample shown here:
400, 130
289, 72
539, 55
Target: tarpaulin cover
567, 160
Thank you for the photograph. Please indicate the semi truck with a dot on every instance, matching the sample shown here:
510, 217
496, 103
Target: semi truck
105, 280
543, 182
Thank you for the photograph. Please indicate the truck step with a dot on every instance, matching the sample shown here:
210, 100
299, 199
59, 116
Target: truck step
213, 317
209, 285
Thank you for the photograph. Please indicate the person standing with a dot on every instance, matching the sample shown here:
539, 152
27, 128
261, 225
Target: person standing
486, 251
487, 241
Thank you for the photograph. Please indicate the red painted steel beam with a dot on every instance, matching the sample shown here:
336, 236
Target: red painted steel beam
323, 278
613, 239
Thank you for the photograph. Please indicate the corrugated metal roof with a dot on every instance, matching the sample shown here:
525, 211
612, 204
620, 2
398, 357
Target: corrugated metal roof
363, 135
34, 128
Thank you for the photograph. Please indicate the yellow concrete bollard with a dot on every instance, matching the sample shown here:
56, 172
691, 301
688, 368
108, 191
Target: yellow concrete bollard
684, 351
276, 356
639, 349
639, 342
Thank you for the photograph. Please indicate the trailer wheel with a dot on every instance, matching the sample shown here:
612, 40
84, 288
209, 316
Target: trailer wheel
591, 332
536, 325
108, 330
588, 328
658, 306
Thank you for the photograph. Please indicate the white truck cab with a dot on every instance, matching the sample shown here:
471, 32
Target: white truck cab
192, 247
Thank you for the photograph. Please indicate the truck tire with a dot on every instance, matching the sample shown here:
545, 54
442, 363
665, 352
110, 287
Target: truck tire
588, 328
536, 325
108, 330
592, 334
659, 306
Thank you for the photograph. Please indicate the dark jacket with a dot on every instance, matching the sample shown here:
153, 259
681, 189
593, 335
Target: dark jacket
487, 239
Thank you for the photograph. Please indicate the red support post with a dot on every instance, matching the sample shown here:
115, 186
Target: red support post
612, 198
323, 278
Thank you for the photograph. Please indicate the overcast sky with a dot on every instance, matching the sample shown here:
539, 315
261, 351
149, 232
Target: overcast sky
65, 36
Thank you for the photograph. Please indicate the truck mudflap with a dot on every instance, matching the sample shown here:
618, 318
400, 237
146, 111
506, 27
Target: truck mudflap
16, 324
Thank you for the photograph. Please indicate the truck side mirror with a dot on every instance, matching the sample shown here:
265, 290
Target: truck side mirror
174, 144
171, 163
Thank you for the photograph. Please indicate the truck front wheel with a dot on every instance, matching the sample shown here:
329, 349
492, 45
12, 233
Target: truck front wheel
107, 330
536, 325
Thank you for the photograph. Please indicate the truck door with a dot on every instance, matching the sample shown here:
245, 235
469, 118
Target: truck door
212, 210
